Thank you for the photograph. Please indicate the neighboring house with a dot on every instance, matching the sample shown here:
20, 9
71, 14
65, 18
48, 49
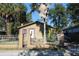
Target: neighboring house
31, 34
60, 38
72, 34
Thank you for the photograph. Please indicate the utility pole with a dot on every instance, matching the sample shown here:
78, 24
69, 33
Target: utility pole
43, 13
45, 30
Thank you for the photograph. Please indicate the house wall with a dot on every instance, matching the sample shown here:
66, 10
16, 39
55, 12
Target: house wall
38, 35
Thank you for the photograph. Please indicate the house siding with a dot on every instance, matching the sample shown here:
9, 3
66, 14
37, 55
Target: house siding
38, 35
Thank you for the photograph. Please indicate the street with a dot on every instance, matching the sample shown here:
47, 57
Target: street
9, 52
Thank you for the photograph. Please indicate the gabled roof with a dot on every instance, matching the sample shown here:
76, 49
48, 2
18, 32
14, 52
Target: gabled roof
37, 22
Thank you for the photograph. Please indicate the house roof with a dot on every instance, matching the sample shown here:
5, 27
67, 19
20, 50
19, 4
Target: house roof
68, 28
37, 22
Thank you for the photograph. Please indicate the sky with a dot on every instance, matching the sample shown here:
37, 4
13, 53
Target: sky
35, 15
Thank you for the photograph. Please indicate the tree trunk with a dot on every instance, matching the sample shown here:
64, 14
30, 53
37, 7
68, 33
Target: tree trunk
8, 28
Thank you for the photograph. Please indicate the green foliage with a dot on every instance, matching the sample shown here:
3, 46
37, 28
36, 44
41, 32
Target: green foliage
13, 14
28, 17
34, 7
58, 16
73, 12
51, 36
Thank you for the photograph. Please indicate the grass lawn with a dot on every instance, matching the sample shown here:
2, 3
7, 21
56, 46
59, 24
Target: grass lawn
8, 42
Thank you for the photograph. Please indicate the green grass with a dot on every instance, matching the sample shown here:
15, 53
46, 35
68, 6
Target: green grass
8, 42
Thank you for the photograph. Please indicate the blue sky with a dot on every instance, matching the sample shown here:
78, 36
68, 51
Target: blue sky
35, 15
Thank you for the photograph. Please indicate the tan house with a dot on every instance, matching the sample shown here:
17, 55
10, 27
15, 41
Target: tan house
31, 35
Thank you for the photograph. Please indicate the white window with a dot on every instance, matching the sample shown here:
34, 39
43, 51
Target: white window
32, 33
32, 36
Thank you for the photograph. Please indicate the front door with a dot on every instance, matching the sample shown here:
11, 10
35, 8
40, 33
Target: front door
24, 33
